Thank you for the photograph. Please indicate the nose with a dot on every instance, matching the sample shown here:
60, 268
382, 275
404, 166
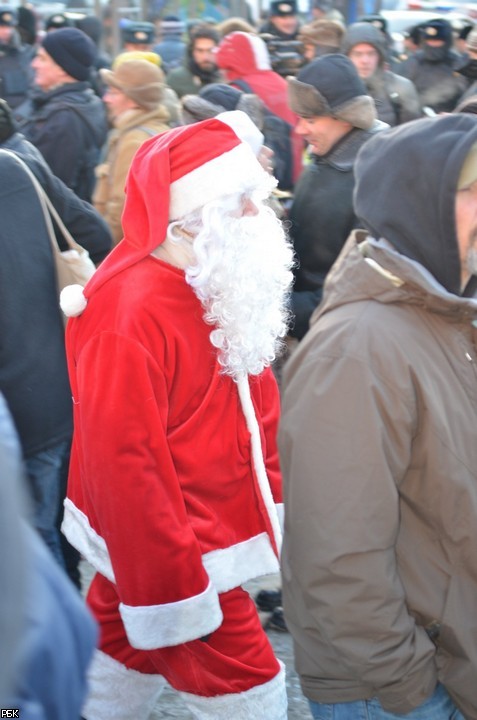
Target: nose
249, 208
301, 128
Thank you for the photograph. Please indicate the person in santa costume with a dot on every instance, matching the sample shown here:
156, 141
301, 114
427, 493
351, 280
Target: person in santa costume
175, 489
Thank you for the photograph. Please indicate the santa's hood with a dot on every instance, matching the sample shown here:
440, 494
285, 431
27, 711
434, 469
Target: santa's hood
241, 54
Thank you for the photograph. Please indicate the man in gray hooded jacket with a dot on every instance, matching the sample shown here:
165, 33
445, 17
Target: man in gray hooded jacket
378, 445
395, 97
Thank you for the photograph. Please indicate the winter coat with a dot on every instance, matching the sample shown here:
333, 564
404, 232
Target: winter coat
381, 509
48, 635
321, 218
15, 71
438, 84
69, 127
171, 50
134, 470
377, 443
132, 128
33, 374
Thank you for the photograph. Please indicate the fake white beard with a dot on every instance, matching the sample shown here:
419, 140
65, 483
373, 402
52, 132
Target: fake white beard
242, 276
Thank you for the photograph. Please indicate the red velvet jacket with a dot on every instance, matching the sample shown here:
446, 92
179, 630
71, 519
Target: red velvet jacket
163, 493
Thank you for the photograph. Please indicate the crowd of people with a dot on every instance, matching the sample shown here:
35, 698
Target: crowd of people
272, 368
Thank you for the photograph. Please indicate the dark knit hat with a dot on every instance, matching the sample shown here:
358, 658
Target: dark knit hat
367, 33
283, 7
72, 50
330, 86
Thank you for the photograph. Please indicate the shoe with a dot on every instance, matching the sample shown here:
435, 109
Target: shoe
268, 600
277, 621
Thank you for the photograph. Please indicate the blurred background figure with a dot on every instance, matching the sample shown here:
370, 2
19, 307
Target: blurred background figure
171, 46
169, 97
66, 120
134, 100
48, 635
15, 58
199, 65
33, 375
283, 20
395, 97
433, 68
321, 37
137, 35
245, 62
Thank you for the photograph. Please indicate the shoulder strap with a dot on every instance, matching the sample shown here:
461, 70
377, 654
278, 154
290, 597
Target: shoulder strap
47, 206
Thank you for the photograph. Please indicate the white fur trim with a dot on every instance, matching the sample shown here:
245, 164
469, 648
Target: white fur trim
80, 534
227, 567
257, 456
260, 52
118, 693
244, 128
268, 700
231, 567
235, 171
72, 299
157, 626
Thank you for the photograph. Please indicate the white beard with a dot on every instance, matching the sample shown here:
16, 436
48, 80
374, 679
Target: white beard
242, 276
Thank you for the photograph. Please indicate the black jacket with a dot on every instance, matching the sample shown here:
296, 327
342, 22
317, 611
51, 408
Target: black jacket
33, 374
322, 217
69, 127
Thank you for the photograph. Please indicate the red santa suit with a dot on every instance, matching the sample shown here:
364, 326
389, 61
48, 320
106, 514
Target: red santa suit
174, 468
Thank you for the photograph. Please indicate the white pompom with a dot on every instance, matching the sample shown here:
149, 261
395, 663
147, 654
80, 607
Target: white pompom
72, 300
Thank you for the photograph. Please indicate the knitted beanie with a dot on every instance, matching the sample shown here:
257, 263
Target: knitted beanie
140, 80
364, 33
72, 50
330, 86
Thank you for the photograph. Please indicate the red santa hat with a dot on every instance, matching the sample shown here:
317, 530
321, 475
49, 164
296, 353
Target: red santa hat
171, 175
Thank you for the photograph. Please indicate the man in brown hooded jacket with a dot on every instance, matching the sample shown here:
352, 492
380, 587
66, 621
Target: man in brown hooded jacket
378, 445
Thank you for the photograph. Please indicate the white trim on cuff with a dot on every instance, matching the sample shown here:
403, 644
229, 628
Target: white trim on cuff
231, 567
118, 693
155, 626
262, 701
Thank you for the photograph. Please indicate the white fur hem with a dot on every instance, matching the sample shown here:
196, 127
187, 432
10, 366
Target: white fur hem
233, 566
118, 693
90, 545
262, 701
227, 568
157, 626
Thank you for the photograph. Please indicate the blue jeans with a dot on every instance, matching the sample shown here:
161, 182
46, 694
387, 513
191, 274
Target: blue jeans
438, 707
44, 477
